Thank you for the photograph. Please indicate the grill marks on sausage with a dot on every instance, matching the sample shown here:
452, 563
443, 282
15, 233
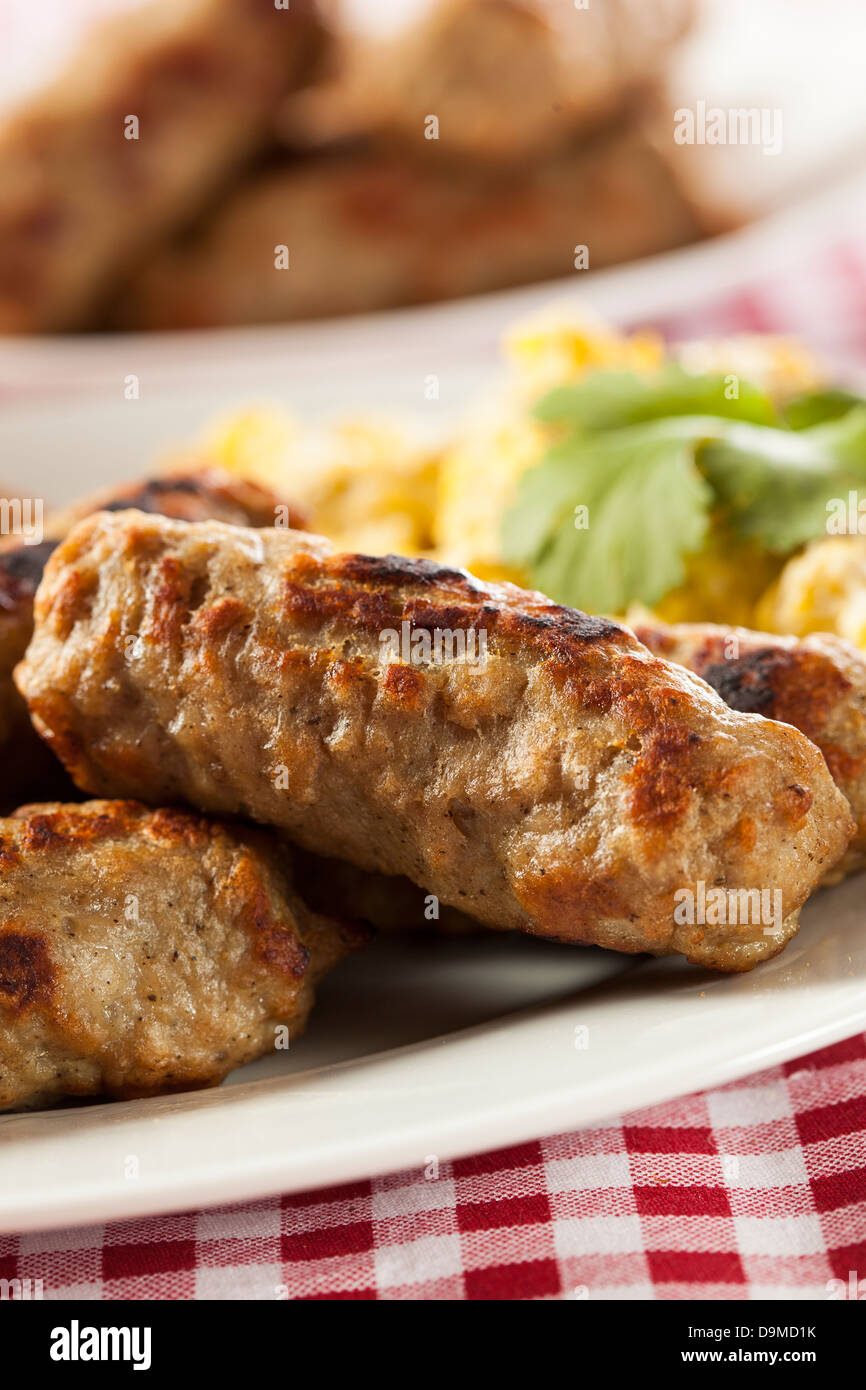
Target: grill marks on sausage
67, 828
313, 597
71, 601
392, 571
180, 609
176, 596
312, 607
665, 778
404, 686
213, 622
273, 941
791, 684
170, 826
44, 828
788, 683
21, 570
366, 593
423, 616
27, 974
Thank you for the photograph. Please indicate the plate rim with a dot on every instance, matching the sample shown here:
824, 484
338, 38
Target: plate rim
458, 1125
671, 282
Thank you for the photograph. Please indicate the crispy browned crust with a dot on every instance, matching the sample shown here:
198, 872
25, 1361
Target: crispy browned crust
817, 683
568, 788
146, 951
195, 493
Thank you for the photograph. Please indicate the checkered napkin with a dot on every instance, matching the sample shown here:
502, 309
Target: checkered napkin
755, 1190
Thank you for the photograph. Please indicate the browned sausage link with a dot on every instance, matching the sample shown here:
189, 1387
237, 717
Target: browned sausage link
816, 683
197, 492
145, 951
192, 494
533, 766
384, 901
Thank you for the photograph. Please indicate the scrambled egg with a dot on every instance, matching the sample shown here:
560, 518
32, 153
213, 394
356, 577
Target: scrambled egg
477, 478
821, 590
553, 347
723, 583
370, 487
367, 486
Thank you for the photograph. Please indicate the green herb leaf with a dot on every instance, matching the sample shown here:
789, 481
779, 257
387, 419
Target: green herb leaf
605, 400
820, 407
777, 483
647, 507
650, 456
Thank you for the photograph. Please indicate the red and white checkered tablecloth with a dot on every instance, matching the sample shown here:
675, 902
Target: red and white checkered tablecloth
754, 1190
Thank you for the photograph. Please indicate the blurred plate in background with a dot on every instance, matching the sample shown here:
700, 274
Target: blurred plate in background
66, 425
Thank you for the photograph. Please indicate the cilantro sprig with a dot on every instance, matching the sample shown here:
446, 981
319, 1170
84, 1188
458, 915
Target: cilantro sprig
638, 466
776, 483
606, 400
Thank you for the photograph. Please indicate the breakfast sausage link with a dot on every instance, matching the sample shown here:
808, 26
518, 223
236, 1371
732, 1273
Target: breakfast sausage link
191, 493
146, 951
531, 765
817, 683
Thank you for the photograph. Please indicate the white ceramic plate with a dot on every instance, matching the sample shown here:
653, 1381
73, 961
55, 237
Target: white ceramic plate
418, 1047
441, 1048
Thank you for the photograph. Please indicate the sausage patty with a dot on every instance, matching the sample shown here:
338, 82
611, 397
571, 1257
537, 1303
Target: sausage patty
29, 769
147, 951
534, 766
816, 683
